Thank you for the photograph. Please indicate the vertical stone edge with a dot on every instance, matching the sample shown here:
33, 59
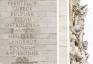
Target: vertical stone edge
63, 32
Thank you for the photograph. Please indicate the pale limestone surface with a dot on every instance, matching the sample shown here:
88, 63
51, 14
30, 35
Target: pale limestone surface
28, 32
62, 31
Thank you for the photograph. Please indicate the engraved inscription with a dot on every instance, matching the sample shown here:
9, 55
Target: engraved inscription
28, 32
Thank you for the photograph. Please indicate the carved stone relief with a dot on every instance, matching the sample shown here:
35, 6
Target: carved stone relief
78, 47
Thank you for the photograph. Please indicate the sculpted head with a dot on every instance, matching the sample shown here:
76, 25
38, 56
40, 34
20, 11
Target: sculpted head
85, 45
79, 26
87, 55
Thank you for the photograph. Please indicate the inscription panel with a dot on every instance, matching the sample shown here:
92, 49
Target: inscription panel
28, 33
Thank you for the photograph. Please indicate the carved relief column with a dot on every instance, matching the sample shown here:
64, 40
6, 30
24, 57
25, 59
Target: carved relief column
78, 47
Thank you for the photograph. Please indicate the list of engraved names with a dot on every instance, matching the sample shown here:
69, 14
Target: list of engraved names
28, 32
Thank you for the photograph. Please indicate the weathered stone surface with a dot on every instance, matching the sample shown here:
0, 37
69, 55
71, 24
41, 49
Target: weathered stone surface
78, 47
28, 32
63, 56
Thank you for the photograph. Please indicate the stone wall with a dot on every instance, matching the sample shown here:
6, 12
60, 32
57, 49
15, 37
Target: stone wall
28, 32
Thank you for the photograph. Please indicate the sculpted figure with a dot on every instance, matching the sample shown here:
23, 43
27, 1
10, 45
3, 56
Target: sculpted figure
85, 45
76, 29
72, 37
84, 53
79, 56
76, 9
84, 59
72, 53
75, 54
83, 12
